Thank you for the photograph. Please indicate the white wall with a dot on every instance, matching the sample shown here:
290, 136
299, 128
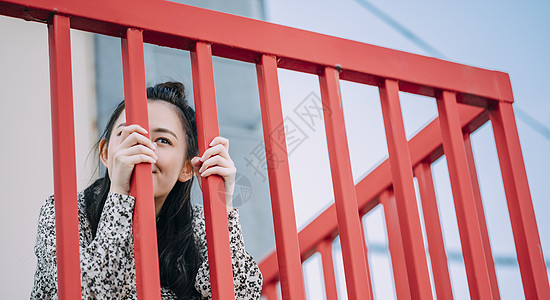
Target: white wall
25, 149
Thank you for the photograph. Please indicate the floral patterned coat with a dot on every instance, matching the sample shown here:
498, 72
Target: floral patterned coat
107, 261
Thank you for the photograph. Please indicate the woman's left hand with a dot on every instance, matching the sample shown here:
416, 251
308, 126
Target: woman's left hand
216, 160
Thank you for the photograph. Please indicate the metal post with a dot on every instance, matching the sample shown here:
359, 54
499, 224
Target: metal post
215, 212
403, 186
481, 216
286, 233
436, 245
395, 245
520, 206
466, 211
325, 249
64, 166
141, 185
351, 234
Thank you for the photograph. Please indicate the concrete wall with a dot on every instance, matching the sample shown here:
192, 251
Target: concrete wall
26, 179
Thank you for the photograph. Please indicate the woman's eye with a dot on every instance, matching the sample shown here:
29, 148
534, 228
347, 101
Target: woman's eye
163, 141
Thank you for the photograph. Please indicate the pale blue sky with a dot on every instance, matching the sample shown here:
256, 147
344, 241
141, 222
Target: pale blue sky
509, 36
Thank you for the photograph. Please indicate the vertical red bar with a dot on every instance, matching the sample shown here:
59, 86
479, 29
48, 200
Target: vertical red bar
215, 212
325, 249
467, 216
64, 166
403, 185
434, 235
286, 233
141, 186
481, 216
349, 225
395, 244
522, 216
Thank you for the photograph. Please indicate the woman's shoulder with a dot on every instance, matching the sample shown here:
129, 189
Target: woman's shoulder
48, 207
197, 207
198, 213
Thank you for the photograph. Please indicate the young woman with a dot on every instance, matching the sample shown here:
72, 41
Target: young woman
105, 209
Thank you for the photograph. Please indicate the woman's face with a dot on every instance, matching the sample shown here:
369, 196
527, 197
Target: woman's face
166, 130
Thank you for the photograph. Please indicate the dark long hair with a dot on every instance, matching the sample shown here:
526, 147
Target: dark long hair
179, 258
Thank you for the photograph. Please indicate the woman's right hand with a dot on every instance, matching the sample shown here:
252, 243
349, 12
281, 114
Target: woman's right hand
133, 147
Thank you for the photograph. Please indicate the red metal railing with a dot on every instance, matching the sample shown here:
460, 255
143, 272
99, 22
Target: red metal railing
466, 97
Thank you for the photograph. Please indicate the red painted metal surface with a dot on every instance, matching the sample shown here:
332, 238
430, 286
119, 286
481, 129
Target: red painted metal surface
270, 291
425, 146
351, 234
481, 216
458, 88
409, 220
436, 246
286, 235
141, 185
325, 249
395, 245
176, 25
64, 166
522, 216
466, 211
215, 212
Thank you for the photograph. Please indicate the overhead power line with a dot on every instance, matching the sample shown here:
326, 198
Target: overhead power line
401, 29
521, 114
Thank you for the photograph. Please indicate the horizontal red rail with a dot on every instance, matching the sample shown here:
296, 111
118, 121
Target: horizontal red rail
179, 26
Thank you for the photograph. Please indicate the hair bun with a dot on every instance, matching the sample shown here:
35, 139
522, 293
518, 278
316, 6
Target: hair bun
176, 87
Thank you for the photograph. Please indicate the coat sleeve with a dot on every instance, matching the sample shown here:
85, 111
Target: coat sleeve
247, 277
107, 261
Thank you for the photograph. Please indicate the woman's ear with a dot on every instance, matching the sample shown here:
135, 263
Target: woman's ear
186, 172
103, 153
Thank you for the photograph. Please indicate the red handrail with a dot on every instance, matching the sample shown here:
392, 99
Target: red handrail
467, 97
